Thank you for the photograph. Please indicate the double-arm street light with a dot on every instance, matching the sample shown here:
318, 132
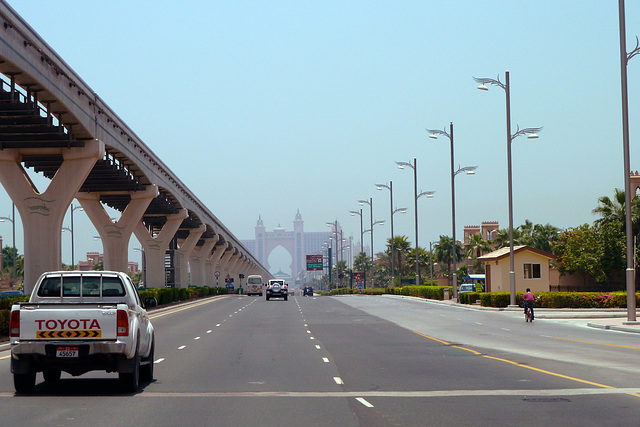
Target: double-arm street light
370, 203
393, 211
13, 243
335, 225
469, 170
532, 133
429, 194
353, 213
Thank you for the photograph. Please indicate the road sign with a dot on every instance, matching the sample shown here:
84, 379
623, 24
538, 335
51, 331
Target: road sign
217, 274
314, 262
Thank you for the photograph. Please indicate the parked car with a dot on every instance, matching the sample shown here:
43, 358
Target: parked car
11, 294
466, 287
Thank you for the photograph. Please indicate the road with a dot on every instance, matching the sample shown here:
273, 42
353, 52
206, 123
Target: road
353, 361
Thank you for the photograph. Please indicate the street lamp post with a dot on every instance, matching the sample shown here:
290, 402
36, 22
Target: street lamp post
469, 170
13, 241
364, 273
429, 194
73, 208
370, 203
371, 231
629, 192
335, 250
393, 211
532, 133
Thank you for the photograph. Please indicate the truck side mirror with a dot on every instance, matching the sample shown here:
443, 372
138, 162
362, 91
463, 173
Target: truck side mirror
150, 302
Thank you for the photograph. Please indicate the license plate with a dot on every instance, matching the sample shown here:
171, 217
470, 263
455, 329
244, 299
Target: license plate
67, 351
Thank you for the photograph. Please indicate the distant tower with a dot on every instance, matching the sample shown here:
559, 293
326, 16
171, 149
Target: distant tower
260, 237
299, 262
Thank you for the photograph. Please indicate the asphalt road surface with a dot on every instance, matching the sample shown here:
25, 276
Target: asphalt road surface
353, 361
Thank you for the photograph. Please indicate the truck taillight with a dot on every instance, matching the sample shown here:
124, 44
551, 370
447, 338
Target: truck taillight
123, 323
14, 324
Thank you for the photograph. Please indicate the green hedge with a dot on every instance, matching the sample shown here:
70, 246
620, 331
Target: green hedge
556, 299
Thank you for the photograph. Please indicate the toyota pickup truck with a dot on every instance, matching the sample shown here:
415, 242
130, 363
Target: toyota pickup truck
81, 321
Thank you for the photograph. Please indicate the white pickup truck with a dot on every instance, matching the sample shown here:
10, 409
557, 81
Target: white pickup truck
81, 321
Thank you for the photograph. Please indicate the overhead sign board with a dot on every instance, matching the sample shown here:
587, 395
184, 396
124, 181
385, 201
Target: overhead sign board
314, 262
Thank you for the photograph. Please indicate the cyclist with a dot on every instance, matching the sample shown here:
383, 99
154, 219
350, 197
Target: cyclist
529, 298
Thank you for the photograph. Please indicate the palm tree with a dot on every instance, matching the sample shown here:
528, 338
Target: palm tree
475, 248
401, 247
362, 263
501, 239
444, 254
423, 258
544, 236
613, 210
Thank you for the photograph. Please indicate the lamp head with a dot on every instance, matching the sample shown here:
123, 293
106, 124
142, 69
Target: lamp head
532, 136
379, 186
433, 136
483, 87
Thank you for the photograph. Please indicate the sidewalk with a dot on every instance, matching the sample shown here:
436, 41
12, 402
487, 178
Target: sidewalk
614, 319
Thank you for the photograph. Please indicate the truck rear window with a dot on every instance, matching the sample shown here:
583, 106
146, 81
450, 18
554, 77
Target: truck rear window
85, 286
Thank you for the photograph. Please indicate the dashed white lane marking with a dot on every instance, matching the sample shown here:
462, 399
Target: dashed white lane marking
312, 338
159, 360
338, 380
218, 325
317, 347
196, 338
181, 347
364, 402
209, 331
325, 360
308, 332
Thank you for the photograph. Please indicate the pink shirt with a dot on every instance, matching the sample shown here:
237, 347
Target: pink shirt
529, 297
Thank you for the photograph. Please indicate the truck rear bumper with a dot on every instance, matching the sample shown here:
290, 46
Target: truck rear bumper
41, 356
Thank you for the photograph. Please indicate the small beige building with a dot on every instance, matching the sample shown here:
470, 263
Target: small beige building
531, 266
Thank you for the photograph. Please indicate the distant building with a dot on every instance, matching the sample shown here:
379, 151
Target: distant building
531, 267
298, 243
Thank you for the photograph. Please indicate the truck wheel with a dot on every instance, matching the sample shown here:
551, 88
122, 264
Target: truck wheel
146, 370
51, 375
286, 298
267, 297
24, 383
130, 381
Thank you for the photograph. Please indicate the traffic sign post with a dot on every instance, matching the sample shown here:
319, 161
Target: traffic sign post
314, 262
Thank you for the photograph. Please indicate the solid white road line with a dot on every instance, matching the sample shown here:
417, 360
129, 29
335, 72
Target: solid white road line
364, 402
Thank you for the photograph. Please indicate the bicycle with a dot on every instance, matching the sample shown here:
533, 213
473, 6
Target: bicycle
527, 314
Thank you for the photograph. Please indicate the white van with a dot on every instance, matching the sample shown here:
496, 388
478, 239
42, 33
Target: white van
254, 285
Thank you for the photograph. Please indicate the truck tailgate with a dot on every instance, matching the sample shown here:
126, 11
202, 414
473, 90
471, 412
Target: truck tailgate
68, 321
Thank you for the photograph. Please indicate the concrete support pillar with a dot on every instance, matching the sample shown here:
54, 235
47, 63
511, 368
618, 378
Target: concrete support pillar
155, 247
212, 264
115, 236
231, 267
185, 248
224, 262
197, 261
42, 213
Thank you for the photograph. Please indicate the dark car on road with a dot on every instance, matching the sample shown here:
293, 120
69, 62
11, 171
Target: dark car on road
308, 291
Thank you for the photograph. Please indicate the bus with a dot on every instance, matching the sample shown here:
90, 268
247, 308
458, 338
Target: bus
254, 284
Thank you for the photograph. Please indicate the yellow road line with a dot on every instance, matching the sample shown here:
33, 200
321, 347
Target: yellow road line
542, 371
598, 343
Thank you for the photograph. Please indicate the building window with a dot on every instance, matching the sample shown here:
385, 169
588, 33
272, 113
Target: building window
531, 271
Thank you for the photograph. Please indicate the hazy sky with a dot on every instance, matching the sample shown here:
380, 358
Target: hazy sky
266, 107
